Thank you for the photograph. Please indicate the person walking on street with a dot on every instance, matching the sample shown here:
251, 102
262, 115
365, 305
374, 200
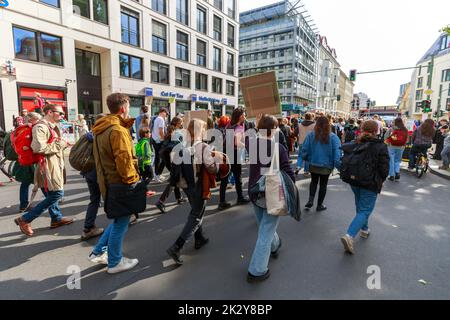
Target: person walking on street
174, 137
139, 118
439, 140
268, 243
306, 127
116, 163
238, 127
158, 135
445, 154
350, 131
397, 137
422, 140
50, 174
199, 166
365, 166
322, 150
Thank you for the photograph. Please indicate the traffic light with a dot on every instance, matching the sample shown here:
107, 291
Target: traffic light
368, 103
338, 97
426, 105
353, 75
353, 104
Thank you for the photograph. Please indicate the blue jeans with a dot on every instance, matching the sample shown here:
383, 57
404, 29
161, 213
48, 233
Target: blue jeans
268, 241
51, 203
92, 209
23, 195
112, 240
365, 204
445, 154
300, 162
395, 159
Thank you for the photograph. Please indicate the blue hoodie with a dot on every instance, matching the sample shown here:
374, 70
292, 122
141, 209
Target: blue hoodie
322, 155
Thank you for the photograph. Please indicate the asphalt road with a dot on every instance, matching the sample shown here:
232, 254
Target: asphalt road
410, 241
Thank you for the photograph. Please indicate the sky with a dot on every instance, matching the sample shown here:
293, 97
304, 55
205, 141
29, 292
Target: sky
376, 35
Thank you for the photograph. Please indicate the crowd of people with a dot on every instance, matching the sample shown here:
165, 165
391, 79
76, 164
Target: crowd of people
364, 151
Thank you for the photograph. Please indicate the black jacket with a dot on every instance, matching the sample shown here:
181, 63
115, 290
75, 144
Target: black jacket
379, 152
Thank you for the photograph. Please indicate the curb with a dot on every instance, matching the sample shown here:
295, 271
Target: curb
438, 173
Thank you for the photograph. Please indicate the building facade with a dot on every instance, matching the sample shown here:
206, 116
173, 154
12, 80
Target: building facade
431, 80
329, 75
179, 54
346, 87
403, 99
277, 37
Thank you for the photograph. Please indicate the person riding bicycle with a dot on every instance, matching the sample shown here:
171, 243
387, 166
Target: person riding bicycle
422, 140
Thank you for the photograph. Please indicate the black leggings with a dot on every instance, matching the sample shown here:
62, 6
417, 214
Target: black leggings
323, 187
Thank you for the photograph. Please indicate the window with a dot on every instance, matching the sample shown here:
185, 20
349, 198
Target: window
419, 94
217, 28
230, 63
101, 11
54, 3
445, 42
445, 75
216, 85
87, 63
230, 35
160, 73
232, 9
218, 4
430, 67
37, 46
182, 78
159, 43
201, 19
81, 7
183, 11
201, 53
130, 66
420, 83
159, 6
217, 59
230, 88
448, 104
130, 27
201, 81
182, 46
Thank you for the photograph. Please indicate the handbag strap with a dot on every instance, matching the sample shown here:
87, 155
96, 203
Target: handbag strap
275, 164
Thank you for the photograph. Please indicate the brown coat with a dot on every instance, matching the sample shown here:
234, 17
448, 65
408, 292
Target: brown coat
53, 167
117, 163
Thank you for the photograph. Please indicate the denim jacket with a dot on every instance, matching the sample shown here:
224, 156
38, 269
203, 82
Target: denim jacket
322, 155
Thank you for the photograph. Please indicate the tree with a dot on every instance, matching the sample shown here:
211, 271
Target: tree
446, 29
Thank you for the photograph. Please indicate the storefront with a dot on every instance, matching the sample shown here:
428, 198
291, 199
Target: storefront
201, 106
136, 103
217, 110
51, 95
229, 110
182, 107
157, 104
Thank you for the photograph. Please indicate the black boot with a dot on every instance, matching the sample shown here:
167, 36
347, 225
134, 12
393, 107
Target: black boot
200, 241
174, 251
310, 203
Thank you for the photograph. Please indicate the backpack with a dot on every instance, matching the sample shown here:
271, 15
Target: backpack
8, 148
81, 156
143, 159
350, 134
21, 139
358, 166
398, 138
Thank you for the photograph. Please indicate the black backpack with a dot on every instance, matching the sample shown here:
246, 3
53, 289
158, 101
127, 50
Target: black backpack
350, 134
358, 166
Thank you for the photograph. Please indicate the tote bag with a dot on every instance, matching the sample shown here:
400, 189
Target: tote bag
275, 195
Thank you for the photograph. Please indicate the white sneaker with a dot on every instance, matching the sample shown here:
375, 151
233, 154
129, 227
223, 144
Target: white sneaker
124, 265
101, 259
364, 234
347, 241
133, 220
158, 179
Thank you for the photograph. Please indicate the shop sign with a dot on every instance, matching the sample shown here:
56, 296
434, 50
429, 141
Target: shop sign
172, 94
149, 92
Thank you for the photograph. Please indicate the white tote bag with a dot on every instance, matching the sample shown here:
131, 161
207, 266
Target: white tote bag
275, 197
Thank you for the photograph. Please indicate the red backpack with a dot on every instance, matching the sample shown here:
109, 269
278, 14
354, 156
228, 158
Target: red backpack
21, 139
398, 138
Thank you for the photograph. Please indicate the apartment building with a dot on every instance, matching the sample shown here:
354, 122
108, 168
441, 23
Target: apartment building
431, 80
345, 99
278, 37
179, 54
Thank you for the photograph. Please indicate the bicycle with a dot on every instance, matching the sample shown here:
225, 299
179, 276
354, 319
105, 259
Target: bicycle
422, 164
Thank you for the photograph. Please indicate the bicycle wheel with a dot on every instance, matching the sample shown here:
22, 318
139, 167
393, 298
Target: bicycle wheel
420, 168
10, 169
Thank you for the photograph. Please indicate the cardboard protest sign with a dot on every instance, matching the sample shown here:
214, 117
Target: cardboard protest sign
200, 114
261, 94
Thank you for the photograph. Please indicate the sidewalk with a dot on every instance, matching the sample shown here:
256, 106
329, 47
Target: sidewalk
434, 168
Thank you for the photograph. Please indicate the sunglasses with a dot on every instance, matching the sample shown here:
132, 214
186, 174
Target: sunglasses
62, 114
